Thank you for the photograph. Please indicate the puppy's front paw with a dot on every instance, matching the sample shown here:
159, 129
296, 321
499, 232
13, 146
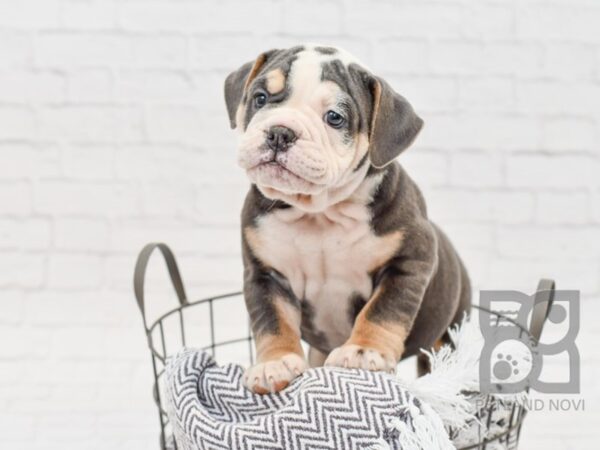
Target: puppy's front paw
275, 375
355, 356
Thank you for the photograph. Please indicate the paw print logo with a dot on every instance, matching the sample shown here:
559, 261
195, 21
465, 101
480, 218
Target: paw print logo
512, 355
505, 367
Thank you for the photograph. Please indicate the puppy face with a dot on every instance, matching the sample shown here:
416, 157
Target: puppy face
308, 118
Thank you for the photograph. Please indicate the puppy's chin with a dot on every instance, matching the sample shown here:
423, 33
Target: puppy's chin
277, 182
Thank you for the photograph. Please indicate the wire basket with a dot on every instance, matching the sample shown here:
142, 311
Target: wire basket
170, 332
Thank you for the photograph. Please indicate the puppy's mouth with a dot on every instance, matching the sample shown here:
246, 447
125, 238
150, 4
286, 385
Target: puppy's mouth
273, 172
275, 165
278, 168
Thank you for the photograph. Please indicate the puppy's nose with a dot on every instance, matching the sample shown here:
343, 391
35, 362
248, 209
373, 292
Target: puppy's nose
279, 138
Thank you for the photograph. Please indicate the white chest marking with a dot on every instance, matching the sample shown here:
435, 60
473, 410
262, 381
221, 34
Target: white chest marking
327, 258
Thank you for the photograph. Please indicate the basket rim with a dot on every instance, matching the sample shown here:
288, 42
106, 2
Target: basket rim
186, 304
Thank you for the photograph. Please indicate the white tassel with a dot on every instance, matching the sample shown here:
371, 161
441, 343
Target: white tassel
454, 375
420, 429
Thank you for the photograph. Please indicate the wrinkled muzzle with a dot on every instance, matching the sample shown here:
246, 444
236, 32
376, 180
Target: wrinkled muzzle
306, 164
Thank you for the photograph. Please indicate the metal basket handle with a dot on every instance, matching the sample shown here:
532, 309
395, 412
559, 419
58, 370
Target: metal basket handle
544, 297
139, 275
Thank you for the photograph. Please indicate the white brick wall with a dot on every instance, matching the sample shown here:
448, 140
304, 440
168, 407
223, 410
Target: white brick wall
113, 133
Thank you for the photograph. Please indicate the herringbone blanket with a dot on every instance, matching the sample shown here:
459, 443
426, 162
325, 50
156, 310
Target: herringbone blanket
325, 408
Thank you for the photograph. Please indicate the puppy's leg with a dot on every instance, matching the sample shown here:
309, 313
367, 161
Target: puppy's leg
276, 325
375, 344
382, 326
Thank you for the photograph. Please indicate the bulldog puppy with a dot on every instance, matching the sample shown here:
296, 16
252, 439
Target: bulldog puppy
338, 249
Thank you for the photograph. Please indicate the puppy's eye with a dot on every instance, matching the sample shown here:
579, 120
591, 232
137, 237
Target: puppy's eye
260, 100
334, 119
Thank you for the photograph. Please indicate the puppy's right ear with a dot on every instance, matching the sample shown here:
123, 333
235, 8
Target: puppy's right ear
238, 81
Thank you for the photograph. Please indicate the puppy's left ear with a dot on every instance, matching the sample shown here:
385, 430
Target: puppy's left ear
394, 124
238, 81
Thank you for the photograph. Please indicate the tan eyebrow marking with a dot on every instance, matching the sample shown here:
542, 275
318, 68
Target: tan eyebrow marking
275, 81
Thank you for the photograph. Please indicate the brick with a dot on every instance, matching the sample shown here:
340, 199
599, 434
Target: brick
76, 341
456, 57
155, 86
219, 204
205, 17
516, 273
425, 167
204, 166
480, 132
57, 426
88, 15
558, 22
79, 234
470, 206
404, 19
138, 162
427, 94
18, 122
476, 169
511, 207
89, 163
22, 270
225, 53
301, 18
16, 426
401, 57
16, 199
27, 86
567, 133
27, 161
167, 199
225, 271
450, 205
522, 59
159, 51
471, 236
91, 123
25, 342
185, 124
552, 97
28, 234
487, 94
185, 238
15, 48
82, 373
569, 61
12, 310
94, 199
66, 271
595, 202
562, 208
537, 171
90, 85
554, 243
96, 307
488, 21
63, 49
29, 14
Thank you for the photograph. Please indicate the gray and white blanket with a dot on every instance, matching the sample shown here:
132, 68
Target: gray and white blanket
325, 408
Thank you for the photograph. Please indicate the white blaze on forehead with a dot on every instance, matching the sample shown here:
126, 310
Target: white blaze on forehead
305, 75
306, 72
